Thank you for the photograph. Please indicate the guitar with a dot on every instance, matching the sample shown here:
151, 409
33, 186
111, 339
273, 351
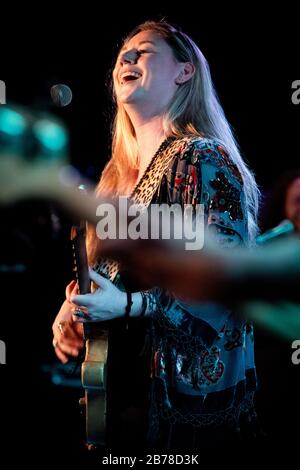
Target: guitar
93, 370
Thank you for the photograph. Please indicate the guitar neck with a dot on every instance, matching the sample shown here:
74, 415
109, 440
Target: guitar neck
80, 258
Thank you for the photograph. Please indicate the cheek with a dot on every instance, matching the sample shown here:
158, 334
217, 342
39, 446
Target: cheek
114, 76
161, 72
116, 88
162, 80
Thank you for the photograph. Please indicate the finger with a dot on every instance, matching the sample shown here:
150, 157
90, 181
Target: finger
61, 356
85, 301
101, 281
70, 339
75, 290
80, 315
75, 334
69, 289
78, 330
65, 328
78, 319
67, 349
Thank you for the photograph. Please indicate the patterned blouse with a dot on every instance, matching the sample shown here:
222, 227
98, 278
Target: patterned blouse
202, 364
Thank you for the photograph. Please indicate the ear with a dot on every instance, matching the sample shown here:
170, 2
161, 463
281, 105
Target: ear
187, 71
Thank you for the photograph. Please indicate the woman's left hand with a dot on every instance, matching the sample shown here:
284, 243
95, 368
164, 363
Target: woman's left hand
105, 303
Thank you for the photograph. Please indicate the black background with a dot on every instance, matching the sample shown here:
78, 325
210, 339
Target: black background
254, 59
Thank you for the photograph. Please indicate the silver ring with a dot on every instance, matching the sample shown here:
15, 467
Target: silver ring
79, 313
60, 326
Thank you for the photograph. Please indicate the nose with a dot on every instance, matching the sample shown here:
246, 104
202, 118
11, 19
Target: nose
129, 57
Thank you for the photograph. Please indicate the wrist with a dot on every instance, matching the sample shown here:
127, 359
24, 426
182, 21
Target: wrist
136, 304
136, 307
128, 307
121, 305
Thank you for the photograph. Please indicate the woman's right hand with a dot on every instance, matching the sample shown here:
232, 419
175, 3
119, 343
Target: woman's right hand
67, 334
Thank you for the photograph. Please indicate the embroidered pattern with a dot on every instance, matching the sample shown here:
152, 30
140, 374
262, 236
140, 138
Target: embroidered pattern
235, 339
227, 197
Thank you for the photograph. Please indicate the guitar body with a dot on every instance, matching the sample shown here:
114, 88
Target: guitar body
93, 376
94, 367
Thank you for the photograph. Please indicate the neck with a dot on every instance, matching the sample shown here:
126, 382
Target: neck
149, 134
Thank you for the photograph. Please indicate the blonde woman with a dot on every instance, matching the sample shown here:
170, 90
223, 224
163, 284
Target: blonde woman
173, 144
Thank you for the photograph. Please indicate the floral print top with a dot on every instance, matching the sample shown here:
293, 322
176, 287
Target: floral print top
203, 353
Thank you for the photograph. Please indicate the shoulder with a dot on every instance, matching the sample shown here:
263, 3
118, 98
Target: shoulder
200, 152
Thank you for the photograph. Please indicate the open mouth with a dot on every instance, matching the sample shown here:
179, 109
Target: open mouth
130, 77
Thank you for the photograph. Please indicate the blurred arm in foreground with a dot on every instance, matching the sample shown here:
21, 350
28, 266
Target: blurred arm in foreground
265, 281
266, 273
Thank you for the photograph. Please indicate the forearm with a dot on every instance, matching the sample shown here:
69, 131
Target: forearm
269, 273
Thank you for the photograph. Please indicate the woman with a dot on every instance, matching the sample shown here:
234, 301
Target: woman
172, 144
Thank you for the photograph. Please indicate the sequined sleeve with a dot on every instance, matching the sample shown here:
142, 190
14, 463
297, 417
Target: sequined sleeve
219, 188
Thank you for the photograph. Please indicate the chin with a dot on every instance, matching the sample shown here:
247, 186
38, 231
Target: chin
127, 98
132, 96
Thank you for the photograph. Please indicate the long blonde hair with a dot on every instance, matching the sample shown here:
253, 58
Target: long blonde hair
194, 111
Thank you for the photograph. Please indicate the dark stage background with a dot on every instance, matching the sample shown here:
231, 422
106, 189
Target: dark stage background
254, 59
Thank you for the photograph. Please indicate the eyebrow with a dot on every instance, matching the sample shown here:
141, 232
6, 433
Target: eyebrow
139, 44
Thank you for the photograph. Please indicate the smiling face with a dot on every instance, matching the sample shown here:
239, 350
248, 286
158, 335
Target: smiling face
146, 72
292, 203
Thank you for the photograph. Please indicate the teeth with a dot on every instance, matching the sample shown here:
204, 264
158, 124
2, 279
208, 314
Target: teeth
130, 74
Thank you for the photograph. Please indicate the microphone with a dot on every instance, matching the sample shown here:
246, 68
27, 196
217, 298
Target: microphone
284, 228
61, 95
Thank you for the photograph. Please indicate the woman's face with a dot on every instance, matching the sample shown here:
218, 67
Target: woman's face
292, 203
145, 72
